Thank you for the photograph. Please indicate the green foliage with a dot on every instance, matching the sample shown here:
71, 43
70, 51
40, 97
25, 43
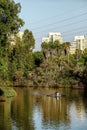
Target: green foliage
38, 58
50, 45
85, 57
57, 43
21, 59
1, 92
3, 68
45, 45
54, 45
28, 40
10, 23
9, 20
18, 62
66, 47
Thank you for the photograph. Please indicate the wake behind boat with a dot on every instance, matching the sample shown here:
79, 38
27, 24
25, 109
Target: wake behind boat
56, 94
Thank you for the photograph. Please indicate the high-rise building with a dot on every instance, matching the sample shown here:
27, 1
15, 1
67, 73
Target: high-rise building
72, 48
45, 39
80, 42
85, 42
52, 37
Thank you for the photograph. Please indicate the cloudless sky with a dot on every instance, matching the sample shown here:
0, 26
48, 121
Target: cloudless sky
69, 17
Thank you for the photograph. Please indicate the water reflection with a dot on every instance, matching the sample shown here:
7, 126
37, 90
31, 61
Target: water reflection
53, 112
5, 115
35, 112
22, 108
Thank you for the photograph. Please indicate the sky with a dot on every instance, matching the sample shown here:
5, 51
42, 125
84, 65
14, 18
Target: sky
69, 17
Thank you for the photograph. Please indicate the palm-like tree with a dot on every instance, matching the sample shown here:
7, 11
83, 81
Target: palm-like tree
57, 46
59, 60
45, 48
67, 49
78, 54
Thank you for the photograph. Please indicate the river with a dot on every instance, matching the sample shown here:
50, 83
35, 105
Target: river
30, 110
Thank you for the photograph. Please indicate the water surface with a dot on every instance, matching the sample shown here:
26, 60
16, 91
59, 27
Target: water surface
32, 111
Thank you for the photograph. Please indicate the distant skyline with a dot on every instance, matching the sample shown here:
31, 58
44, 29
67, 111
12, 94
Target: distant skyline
69, 17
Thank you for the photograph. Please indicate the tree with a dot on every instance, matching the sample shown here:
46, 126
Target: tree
9, 19
10, 23
66, 49
44, 45
28, 40
84, 74
85, 57
45, 48
51, 48
78, 54
56, 43
59, 61
38, 58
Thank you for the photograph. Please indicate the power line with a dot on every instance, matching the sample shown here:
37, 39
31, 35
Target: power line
48, 18
73, 23
75, 33
75, 29
67, 33
61, 21
56, 23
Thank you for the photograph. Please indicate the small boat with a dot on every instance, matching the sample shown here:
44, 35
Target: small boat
56, 94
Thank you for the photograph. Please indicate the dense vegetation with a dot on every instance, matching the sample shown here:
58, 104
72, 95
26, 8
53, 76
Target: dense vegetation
53, 66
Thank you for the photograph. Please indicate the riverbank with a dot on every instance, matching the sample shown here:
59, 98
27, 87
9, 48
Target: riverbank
48, 75
6, 92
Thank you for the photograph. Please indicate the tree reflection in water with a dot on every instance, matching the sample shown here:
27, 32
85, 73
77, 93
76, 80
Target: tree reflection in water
35, 112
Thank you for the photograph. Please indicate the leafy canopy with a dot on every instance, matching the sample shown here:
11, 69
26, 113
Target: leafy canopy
9, 19
28, 40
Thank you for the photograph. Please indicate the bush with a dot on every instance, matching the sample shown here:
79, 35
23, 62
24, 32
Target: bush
1, 92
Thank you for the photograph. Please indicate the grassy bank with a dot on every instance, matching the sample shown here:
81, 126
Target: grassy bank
7, 92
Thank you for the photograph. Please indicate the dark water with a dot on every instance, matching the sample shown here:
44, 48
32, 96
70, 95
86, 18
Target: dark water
32, 111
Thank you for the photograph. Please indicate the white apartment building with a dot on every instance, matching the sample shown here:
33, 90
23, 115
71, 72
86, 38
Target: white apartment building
72, 48
80, 42
85, 42
45, 39
53, 36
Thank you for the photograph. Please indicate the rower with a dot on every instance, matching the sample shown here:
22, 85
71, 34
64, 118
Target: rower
57, 94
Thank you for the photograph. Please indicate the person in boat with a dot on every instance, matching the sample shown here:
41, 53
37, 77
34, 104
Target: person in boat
57, 94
